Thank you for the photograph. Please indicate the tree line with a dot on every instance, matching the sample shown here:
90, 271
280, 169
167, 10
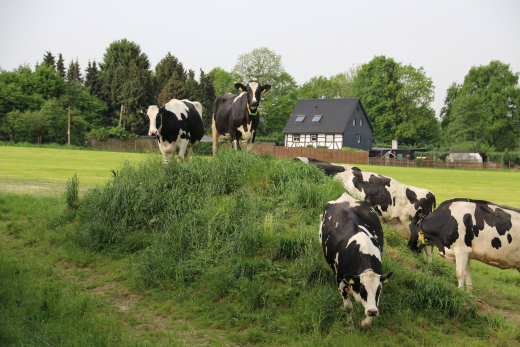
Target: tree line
479, 114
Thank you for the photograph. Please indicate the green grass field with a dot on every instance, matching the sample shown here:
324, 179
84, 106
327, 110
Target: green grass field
230, 259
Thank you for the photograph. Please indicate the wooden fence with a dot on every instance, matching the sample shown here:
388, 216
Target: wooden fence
433, 164
324, 154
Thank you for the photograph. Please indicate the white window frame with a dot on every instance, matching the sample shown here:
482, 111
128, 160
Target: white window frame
360, 122
358, 138
353, 122
314, 137
296, 137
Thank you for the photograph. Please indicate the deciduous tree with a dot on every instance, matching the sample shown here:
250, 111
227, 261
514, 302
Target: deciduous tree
397, 99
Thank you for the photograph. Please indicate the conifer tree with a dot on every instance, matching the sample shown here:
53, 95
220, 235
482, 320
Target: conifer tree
92, 79
48, 59
60, 66
74, 72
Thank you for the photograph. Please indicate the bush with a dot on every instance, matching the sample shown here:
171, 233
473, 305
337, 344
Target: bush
352, 149
100, 134
120, 133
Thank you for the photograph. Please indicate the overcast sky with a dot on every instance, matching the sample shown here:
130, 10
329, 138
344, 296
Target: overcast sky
314, 38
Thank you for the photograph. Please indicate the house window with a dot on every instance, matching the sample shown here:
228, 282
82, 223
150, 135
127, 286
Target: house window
360, 122
296, 137
316, 119
358, 138
299, 119
314, 137
354, 122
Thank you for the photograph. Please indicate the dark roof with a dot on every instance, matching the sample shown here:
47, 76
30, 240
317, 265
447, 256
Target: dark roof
336, 115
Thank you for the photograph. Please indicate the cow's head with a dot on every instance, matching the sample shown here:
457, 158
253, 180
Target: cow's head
415, 242
254, 92
366, 289
153, 113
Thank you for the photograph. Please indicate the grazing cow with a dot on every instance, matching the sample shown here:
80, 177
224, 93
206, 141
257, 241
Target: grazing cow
177, 125
235, 117
329, 168
464, 229
394, 200
352, 241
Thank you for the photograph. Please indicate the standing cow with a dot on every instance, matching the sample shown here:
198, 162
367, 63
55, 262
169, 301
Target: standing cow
235, 117
352, 241
464, 229
394, 200
177, 125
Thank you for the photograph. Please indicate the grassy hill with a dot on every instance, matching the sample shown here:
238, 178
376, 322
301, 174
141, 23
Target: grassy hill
220, 252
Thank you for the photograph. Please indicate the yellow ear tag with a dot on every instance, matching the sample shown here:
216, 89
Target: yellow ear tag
422, 238
141, 111
351, 281
385, 281
410, 222
240, 89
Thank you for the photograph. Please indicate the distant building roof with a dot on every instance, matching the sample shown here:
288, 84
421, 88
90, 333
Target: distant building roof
335, 115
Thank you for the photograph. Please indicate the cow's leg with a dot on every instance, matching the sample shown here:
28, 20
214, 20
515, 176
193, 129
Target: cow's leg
164, 153
461, 261
429, 253
347, 304
182, 150
236, 144
249, 143
469, 284
187, 154
214, 134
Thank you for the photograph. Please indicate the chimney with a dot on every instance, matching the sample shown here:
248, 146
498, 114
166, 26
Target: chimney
394, 144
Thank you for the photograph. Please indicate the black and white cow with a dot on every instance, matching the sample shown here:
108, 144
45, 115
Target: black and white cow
235, 117
464, 229
177, 125
328, 168
352, 241
394, 200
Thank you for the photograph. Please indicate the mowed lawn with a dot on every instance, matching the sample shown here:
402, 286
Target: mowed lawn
34, 169
497, 186
40, 170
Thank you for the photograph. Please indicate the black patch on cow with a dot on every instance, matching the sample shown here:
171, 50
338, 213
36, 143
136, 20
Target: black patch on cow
509, 238
499, 219
354, 168
496, 243
393, 202
439, 228
468, 223
375, 189
378, 292
363, 293
425, 205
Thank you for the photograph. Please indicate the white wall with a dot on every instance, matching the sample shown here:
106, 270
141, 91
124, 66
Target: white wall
332, 141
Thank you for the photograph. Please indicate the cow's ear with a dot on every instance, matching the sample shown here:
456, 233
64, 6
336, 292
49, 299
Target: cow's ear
352, 279
266, 88
142, 109
385, 277
240, 87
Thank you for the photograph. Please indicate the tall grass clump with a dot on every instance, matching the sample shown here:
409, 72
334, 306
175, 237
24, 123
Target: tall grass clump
72, 193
